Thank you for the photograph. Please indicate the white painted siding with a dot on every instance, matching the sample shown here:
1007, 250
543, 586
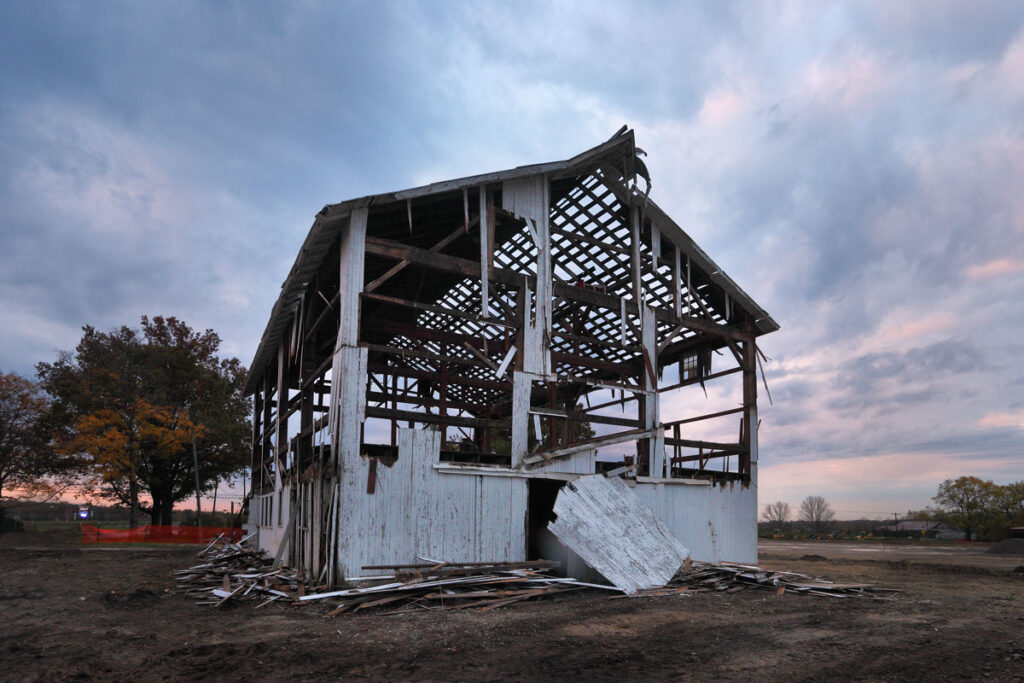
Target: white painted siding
715, 522
418, 511
272, 533
578, 463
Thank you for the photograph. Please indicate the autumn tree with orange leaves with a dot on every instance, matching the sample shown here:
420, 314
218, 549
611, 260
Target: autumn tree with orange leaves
135, 402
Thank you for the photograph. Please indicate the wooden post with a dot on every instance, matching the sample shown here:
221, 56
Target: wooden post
634, 260
677, 299
256, 459
268, 407
348, 396
654, 448
485, 251
521, 387
749, 458
281, 424
442, 405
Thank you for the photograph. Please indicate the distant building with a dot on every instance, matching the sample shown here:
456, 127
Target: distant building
914, 527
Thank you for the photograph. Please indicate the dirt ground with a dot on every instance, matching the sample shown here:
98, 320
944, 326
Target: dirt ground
73, 612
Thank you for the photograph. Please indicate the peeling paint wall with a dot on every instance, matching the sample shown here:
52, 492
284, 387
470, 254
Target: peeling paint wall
270, 535
715, 522
417, 510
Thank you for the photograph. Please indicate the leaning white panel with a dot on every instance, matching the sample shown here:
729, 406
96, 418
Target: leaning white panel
605, 523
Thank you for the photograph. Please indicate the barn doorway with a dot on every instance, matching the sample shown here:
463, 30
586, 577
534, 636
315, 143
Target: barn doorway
541, 544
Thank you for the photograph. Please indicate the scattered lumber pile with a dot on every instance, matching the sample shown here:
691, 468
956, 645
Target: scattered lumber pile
439, 585
731, 577
232, 571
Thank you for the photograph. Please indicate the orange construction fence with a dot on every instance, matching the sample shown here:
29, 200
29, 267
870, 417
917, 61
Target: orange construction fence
159, 534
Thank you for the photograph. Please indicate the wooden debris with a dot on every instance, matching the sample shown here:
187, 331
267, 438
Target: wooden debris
730, 577
231, 572
449, 586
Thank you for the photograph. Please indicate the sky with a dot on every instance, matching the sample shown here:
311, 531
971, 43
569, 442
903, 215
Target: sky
857, 168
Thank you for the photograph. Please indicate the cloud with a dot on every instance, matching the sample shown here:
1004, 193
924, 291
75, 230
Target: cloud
1003, 420
994, 268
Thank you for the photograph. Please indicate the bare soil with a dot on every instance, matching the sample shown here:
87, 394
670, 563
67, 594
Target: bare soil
74, 612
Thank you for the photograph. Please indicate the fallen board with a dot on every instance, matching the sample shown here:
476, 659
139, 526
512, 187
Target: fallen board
605, 523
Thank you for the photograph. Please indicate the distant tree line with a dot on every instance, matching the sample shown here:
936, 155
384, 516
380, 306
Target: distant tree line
815, 513
103, 515
144, 417
984, 510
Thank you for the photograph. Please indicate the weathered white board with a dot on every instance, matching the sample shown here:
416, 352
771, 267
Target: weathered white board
605, 523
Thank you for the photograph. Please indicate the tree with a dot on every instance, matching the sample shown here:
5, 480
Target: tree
966, 502
138, 402
26, 460
1009, 501
777, 513
816, 511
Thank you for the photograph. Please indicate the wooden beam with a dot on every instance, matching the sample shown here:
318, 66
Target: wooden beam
441, 262
634, 259
709, 416
416, 353
485, 252
614, 303
396, 269
502, 385
586, 417
596, 442
452, 420
703, 458
709, 445
700, 380
411, 399
464, 315
586, 239
623, 369
393, 327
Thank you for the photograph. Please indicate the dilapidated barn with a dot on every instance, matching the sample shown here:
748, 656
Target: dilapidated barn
442, 359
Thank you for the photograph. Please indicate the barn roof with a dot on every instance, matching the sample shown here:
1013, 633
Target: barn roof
619, 151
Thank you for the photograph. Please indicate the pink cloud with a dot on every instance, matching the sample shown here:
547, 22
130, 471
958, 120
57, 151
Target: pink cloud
921, 327
851, 83
995, 268
1000, 420
722, 107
